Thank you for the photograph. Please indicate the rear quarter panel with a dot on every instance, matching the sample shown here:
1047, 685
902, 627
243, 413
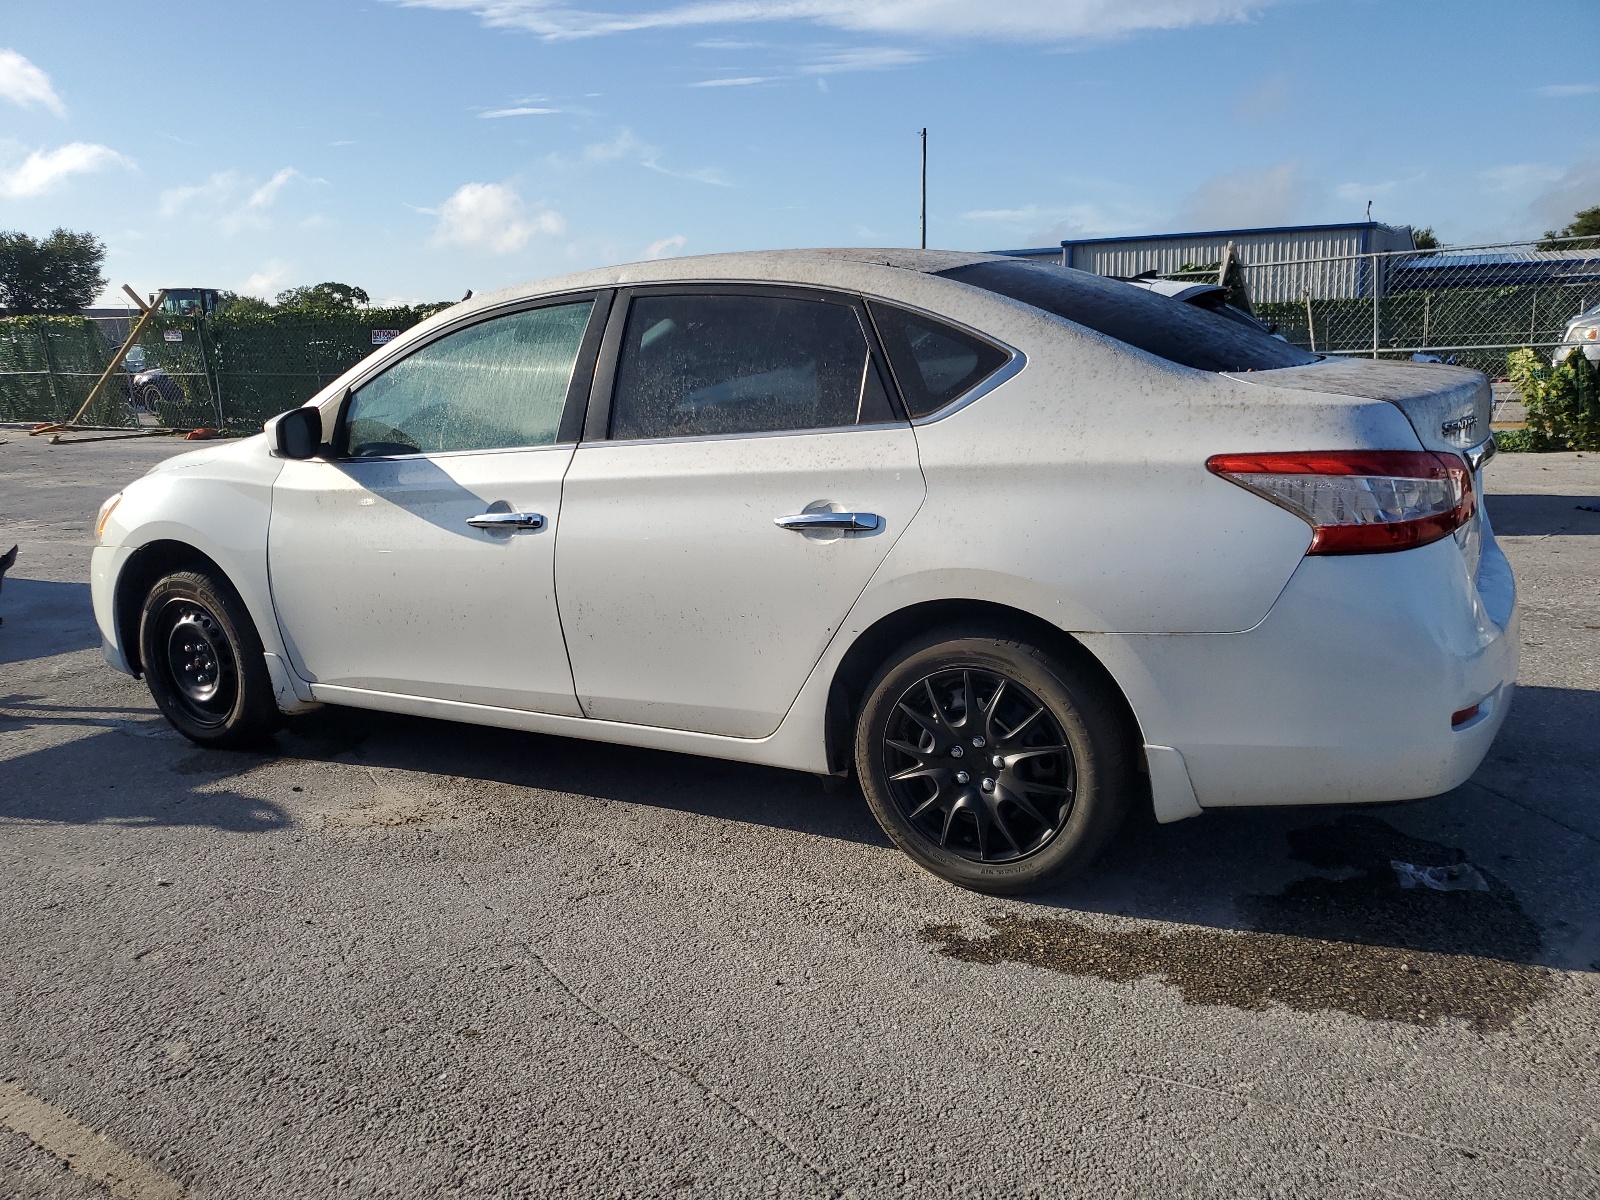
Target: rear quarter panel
1077, 490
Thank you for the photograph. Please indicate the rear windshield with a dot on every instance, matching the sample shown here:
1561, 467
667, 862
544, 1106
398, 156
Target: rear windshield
1170, 329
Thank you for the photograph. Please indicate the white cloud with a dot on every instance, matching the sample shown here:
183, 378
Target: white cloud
1568, 89
1267, 100
664, 247
741, 81
517, 112
1048, 225
1571, 191
1517, 177
230, 200
216, 190
1018, 20
264, 195
491, 218
626, 146
268, 281
870, 58
43, 170
1244, 199
23, 83
1360, 193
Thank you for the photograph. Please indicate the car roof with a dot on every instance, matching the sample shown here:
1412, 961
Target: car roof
856, 268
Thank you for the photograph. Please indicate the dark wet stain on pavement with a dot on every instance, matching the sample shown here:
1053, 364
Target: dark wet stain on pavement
1356, 943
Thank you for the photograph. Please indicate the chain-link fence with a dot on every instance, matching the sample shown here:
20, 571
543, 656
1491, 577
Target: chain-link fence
1472, 305
184, 372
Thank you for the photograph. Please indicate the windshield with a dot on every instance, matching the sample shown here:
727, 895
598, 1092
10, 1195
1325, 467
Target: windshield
1169, 329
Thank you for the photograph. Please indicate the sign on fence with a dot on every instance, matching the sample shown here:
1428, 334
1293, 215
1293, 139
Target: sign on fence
172, 335
382, 337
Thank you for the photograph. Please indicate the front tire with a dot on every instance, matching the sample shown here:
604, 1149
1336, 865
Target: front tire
203, 662
991, 763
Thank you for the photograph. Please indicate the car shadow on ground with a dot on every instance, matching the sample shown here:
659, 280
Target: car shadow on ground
707, 787
1323, 872
41, 619
1535, 515
114, 766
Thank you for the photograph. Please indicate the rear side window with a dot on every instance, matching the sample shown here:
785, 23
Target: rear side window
933, 363
493, 385
703, 365
1169, 329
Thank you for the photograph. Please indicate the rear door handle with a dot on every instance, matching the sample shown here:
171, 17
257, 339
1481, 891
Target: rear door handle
849, 522
506, 520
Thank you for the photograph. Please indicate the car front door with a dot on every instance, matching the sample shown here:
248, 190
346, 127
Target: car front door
743, 473
417, 557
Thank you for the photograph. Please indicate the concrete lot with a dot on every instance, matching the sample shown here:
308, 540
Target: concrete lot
402, 958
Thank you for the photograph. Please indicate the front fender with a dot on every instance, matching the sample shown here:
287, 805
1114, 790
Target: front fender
220, 506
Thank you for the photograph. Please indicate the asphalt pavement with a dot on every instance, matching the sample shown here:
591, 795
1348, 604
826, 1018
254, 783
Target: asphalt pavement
398, 957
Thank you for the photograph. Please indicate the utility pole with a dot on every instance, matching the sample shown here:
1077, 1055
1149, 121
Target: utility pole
924, 189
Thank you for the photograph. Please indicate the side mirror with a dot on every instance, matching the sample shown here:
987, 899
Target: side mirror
297, 433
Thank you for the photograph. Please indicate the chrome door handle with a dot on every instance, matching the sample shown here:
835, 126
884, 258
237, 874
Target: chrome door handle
849, 522
506, 520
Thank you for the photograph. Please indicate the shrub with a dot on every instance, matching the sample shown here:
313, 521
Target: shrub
1563, 402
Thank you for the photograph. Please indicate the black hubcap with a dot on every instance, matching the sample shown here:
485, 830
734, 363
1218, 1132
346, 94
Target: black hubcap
199, 662
979, 766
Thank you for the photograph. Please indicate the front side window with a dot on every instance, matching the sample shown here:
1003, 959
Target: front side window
701, 365
498, 384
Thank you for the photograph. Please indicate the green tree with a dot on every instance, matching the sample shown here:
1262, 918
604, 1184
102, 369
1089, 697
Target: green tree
233, 302
1585, 224
324, 297
1425, 238
59, 274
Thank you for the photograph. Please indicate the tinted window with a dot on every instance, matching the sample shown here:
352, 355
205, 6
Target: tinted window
1170, 329
711, 364
498, 384
932, 362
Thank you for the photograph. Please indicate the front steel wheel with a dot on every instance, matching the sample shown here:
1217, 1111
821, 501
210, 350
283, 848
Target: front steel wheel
204, 663
198, 660
991, 763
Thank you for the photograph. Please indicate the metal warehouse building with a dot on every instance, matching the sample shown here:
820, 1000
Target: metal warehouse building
1320, 261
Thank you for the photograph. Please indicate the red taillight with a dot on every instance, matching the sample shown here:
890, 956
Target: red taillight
1360, 501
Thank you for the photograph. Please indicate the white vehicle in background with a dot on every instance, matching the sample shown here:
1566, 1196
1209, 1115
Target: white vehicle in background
1020, 546
1581, 333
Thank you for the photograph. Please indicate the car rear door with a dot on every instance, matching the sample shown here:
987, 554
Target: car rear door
743, 473
418, 558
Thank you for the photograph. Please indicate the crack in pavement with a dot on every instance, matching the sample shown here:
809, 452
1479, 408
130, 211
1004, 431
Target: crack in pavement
688, 1075
1442, 1143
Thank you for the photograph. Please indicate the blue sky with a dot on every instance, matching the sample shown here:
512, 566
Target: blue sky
421, 147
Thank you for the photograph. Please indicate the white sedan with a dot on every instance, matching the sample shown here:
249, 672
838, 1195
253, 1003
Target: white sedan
1022, 547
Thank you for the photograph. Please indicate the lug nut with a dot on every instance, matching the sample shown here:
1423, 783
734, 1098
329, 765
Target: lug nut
998, 761
988, 785
978, 742
963, 777
956, 751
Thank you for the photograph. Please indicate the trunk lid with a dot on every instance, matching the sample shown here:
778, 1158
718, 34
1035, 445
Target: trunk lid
1448, 406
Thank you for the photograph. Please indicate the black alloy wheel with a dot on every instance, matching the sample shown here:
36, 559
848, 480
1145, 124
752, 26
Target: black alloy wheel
992, 763
979, 765
204, 663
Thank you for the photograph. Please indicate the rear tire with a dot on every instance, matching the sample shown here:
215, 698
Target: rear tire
991, 763
204, 662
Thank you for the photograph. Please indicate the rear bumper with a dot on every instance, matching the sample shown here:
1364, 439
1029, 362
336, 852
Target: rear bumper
1345, 691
